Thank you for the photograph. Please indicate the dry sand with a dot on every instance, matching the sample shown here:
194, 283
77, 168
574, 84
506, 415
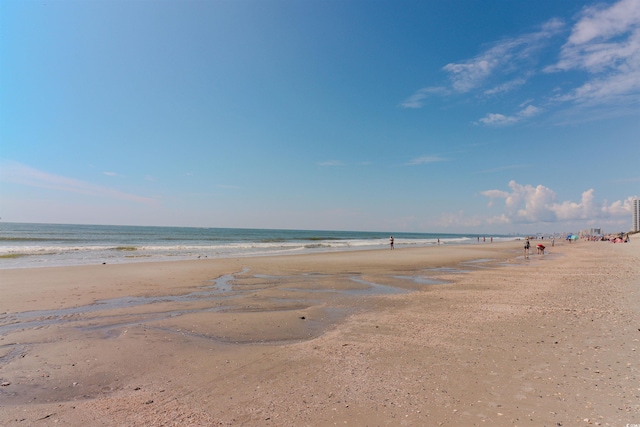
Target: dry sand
454, 336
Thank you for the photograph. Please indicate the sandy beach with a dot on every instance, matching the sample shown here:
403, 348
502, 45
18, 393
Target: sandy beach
446, 335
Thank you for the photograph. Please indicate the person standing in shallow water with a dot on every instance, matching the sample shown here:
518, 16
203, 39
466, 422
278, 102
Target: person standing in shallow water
391, 241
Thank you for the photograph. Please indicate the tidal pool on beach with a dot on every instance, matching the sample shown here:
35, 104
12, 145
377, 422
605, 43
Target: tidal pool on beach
241, 292
231, 293
228, 293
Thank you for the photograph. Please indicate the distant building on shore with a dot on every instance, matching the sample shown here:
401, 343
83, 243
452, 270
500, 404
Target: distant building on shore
635, 207
591, 232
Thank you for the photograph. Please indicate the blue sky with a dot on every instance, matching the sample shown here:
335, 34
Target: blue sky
462, 116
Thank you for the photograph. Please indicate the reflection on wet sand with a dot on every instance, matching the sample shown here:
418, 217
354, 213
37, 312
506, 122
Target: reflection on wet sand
329, 297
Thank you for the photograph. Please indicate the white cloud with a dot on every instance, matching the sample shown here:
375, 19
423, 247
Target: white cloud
526, 204
506, 87
568, 210
331, 163
607, 89
24, 175
502, 58
416, 100
620, 207
496, 119
426, 160
529, 111
606, 22
605, 42
603, 47
467, 76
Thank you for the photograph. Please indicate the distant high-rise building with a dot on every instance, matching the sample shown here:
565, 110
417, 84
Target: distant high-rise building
636, 214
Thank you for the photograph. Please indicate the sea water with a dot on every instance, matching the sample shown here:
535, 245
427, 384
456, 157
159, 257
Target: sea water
43, 245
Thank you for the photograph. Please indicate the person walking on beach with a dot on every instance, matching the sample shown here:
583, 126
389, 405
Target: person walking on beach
526, 248
391, 241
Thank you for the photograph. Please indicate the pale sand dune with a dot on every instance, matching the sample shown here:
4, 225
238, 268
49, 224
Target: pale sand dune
302, 341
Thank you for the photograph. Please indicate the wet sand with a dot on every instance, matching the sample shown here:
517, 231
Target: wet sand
446, 335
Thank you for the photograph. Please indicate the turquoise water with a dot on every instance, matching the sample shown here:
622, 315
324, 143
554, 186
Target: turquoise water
40, 245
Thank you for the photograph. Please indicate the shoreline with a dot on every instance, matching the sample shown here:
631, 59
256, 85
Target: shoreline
49, 245
138, 255
294, 340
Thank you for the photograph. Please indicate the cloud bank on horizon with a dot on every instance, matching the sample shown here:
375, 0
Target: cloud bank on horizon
523, 204
526, 204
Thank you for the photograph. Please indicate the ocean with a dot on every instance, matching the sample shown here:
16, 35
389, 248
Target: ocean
47, 245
